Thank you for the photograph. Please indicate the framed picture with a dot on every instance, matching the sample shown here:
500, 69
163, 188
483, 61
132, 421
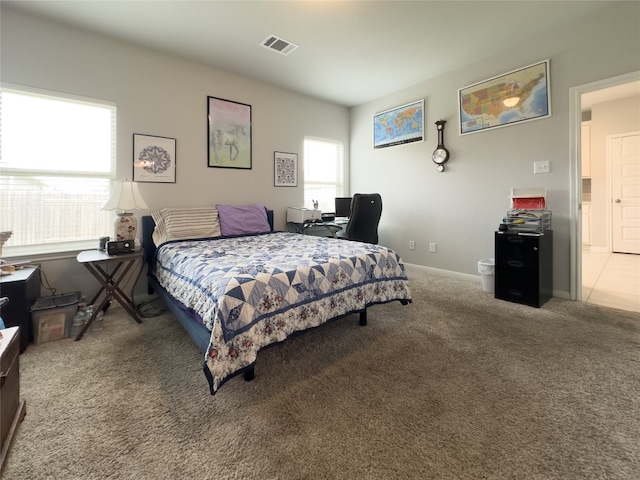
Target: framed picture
518, 96
399, 125
154, 159
229, 134
285, 169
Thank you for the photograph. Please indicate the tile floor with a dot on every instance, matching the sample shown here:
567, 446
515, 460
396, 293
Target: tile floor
611, 279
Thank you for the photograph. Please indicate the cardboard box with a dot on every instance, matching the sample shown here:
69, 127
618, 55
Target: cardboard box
52, 316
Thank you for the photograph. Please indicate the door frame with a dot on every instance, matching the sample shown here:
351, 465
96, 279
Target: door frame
575, 184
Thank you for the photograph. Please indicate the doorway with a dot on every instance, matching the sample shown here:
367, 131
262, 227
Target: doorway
598, 275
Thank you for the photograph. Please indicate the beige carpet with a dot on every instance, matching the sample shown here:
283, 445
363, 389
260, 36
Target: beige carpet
457, 385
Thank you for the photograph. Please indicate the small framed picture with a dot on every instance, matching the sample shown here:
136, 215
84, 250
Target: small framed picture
154, 159
285, 169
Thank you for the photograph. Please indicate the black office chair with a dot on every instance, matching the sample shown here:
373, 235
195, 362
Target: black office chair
366, 210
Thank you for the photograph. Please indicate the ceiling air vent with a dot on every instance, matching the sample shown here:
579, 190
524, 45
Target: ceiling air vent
280, 45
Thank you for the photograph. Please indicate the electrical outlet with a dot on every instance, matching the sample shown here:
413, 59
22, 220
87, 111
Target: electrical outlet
541, 167
433, 247
412, 245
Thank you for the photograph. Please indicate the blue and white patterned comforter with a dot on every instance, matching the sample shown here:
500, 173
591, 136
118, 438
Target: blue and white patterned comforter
253, 291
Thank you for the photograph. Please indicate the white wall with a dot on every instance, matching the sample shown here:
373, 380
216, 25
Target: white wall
162, 95
460, 209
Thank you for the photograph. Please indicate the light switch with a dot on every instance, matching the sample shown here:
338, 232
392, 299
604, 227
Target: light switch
541, 166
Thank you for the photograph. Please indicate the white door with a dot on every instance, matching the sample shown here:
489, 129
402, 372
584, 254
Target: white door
625, 193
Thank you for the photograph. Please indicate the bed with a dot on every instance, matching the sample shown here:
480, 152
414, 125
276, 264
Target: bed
237, 286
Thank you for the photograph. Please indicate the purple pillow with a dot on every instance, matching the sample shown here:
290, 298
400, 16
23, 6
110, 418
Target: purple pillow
243, 219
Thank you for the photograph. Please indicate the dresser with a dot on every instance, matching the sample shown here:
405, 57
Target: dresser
524, 267
22, 288
12, 409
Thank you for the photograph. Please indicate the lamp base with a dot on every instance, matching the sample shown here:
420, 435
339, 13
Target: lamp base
125, 226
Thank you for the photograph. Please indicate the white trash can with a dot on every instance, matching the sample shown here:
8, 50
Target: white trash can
487, 271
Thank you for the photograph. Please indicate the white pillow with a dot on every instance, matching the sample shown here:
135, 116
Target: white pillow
185, 223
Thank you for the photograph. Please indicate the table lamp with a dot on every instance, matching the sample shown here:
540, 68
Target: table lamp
125, 196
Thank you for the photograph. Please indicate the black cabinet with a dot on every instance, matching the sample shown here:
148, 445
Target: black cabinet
524, 267
22, 288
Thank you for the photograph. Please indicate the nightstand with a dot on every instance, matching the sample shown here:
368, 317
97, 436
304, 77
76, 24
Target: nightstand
22, 288
12, 409
110, 271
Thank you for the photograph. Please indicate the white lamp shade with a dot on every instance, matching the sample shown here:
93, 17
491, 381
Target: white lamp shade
125, 196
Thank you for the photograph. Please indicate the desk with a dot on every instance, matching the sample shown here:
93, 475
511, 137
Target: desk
97, 262
304, 227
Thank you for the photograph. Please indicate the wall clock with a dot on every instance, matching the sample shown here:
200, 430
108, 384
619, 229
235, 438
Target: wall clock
440, 154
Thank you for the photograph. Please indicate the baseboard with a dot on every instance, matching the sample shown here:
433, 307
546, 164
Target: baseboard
466, 276
144, 298
561, 294
445, 273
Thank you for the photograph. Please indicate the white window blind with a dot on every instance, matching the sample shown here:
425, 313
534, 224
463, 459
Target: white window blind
323, 172
57, 160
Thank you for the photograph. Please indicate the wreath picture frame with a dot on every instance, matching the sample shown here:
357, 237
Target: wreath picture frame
154, 159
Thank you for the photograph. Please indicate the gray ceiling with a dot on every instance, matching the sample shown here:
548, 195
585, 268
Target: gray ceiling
350, 52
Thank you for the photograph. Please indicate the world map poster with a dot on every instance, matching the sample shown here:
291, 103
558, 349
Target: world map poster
518, 96
398, 126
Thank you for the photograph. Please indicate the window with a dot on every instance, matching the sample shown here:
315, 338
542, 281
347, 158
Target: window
323, 173
57, 160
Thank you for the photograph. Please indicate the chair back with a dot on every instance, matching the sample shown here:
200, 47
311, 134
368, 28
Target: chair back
366, 210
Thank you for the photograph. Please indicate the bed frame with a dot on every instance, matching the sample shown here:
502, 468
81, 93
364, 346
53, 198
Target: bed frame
198, 332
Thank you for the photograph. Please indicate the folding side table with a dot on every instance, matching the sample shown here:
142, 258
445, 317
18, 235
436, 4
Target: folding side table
98, 263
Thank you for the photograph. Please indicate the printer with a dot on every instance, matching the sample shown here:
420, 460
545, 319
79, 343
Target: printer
302, 215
